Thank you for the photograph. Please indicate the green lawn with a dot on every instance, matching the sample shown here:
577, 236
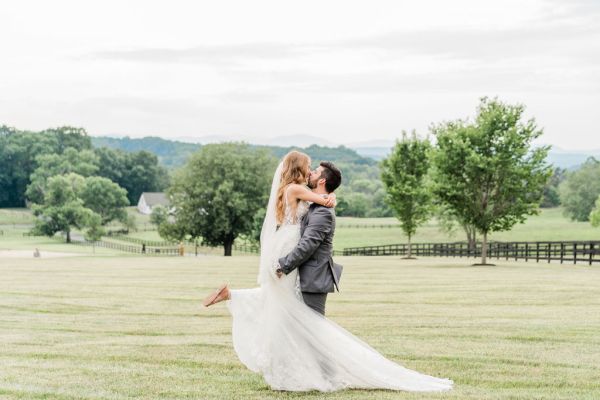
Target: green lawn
13, 239
133, 328
10, 216
551, 224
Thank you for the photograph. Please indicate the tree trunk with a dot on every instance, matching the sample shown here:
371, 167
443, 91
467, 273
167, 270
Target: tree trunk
228, 245
471, 237
484, 249
409, 255
68, 236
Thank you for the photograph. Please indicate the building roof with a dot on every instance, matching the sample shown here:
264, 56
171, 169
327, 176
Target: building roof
155, 198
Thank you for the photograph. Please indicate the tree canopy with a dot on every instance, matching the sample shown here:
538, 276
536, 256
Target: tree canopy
487, 171
404, 174
28, 159
218, 192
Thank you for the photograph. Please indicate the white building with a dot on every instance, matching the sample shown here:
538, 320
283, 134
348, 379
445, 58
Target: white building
152, 199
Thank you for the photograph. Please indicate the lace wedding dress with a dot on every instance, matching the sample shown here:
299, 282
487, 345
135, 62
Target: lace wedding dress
292, 346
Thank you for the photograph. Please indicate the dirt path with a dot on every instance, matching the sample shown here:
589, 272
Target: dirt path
29, 254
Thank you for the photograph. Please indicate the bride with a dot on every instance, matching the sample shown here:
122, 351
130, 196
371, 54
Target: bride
277, 335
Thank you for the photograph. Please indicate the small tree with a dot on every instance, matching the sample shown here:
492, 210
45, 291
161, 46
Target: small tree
580, 189
595, 214
94, 231
217, 193
487, 171
159, 215
404, 174
130, 222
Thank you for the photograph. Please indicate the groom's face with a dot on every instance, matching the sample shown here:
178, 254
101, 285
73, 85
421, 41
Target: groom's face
314, 177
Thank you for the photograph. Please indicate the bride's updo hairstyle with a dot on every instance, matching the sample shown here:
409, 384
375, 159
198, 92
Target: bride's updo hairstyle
295, 169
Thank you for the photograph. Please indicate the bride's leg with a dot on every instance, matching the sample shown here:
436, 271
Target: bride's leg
221, 294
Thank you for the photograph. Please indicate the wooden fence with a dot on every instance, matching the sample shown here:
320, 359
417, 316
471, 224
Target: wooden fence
574, 251
367, 226
143, 249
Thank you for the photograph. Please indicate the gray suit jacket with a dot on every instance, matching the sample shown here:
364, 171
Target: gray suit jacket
312, 255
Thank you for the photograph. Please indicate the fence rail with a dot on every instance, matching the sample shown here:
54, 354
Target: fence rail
367, 226
155, 243
574, 251
151, 251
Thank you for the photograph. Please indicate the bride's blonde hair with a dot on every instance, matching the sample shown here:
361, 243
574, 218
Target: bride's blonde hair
295, 170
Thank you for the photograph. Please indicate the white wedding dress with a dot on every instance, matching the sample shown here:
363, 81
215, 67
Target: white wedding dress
294, 347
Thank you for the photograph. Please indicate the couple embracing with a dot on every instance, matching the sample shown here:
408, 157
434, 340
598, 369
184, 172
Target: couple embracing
279, 328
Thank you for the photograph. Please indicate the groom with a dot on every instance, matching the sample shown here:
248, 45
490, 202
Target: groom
312, 255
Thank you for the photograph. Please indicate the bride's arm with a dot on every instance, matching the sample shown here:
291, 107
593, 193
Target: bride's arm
303, 193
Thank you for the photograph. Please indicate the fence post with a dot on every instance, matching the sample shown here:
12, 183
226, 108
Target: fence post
574, 252
562, 252
591, 252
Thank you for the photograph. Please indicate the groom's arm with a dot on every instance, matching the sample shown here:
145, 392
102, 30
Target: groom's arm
319, 226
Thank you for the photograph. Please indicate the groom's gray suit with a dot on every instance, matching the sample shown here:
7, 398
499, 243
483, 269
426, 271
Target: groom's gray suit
312, 256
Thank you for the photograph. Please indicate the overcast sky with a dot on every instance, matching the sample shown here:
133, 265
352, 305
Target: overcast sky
346, 71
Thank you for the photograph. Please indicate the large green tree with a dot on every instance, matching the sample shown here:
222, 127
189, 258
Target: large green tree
73, 201
105, 198
580, 189
487, 171
62, 208
18, 152
81, 162
217, 194
404, 174
136, 172
69, 137
143, 174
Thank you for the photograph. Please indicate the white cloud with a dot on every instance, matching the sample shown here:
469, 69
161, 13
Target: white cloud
343, 70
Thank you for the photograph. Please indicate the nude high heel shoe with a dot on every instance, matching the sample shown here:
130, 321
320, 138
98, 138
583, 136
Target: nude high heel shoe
222, 293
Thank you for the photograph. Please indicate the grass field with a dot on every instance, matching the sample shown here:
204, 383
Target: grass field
551, 224
108, 327
13, 239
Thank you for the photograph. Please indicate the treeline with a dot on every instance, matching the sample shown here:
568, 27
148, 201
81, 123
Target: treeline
28, 159
361, 195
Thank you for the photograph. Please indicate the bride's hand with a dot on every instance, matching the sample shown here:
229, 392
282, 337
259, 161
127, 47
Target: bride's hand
276, 271
331, 200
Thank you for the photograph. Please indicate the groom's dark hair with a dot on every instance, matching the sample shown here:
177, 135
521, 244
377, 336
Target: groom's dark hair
332, 176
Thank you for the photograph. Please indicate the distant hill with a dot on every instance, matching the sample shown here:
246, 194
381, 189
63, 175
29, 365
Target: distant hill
571, 160
376, 153
173, 154
170, 153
